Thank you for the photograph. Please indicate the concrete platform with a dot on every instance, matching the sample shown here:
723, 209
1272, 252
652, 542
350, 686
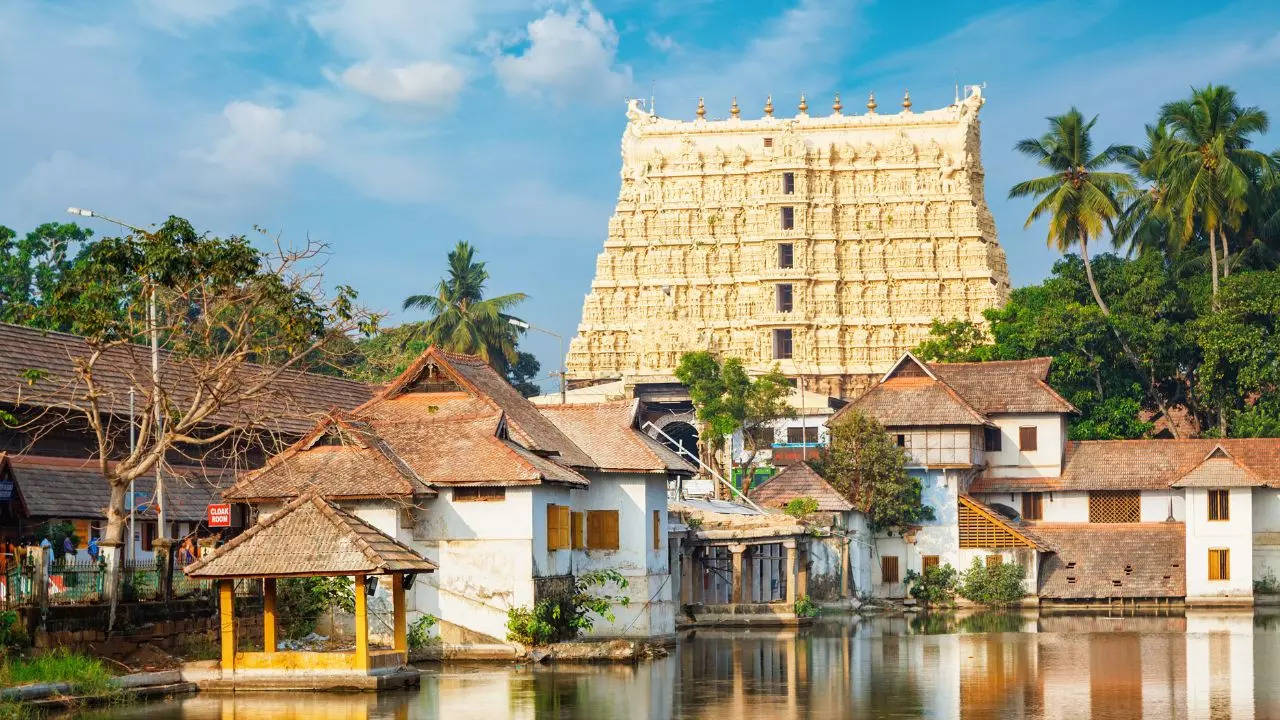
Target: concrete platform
208, 676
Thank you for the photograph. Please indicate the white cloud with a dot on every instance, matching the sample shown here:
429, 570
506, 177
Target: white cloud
571, 55
427, 83
259, 146
660, 42
397, 29
176, 14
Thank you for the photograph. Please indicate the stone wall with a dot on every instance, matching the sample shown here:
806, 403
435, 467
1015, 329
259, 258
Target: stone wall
890, 230
181, 625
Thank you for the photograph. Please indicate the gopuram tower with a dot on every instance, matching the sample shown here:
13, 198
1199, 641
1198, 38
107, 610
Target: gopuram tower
822, 244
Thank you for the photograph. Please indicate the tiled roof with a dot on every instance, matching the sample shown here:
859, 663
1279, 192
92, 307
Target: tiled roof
607, 433
1102, 560
309, 536
1022, 530
1219, 469
918, 393
1145, 465
291, 405
1004, 386
799, 480
75, 488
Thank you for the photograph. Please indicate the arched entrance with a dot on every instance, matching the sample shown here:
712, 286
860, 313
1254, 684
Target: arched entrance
684, 435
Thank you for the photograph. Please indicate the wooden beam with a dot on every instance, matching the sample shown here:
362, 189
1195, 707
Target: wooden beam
362, 626
227, 624
398, 610
269, 615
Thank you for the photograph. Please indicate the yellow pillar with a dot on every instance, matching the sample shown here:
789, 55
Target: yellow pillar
269, 615
398, 609
227, 624
362, 626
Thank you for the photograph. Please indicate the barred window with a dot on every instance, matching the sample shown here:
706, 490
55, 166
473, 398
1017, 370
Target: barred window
889, 569
1219, 564
1219, 505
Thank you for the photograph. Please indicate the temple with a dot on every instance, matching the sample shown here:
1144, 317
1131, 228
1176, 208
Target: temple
824, 244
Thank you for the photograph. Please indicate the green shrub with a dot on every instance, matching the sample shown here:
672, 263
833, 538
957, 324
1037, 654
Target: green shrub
935, 586
1267, 583
301, 601
805, 607
994, 586
801, 507
420, 631
554, 620
13, 636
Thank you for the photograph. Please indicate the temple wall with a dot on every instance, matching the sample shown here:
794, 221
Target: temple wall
883, 215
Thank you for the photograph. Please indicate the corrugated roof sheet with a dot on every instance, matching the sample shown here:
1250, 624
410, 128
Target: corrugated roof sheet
1104, 560
309, 536
799, 480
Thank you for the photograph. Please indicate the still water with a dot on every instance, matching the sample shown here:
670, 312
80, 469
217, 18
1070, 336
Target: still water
1197, 665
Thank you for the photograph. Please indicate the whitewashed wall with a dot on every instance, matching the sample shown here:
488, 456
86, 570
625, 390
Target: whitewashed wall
1266, 533
1044, 461
1235, 535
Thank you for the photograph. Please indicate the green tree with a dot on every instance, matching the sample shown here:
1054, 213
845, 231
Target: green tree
522, 374
1079, 197
32, 266
865, 465
1209, 167
1239, 373
462, 319
727, 400
997, 585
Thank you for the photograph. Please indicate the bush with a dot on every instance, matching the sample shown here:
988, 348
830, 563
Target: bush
801, 507
420, 631
301, 601
805, 607
13, 636
994, 586
553, 620
935, 586
1267, 583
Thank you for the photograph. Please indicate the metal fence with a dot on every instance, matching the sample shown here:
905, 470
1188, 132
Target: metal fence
76, 582
19, 586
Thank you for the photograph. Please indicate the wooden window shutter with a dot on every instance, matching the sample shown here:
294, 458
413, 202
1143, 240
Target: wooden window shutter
657, 529
552, 532
1219, 507
1027, 438
889, 569
1219, 564
994, 561
575, 530
563, 512
602, 529
1032, 506
927, 562
557, 527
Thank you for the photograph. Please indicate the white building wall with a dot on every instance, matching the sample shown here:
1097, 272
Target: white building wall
887, 547
1156, 504
1235, 534
941, 535
1044, 461
1266, 533
1220, 665
1026, 557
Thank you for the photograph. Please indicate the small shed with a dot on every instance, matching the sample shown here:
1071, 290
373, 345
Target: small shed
309, 537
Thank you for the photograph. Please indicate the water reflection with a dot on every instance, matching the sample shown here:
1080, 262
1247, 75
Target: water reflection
1197, 665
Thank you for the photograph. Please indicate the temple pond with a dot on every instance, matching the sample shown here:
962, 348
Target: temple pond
1192, 665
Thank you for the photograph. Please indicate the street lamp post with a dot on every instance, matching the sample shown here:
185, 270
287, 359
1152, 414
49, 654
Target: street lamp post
563, 370
154, 331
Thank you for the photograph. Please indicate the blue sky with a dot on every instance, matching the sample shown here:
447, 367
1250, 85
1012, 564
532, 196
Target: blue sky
392, 129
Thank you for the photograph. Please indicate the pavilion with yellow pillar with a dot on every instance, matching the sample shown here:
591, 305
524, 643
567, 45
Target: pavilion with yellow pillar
310, 537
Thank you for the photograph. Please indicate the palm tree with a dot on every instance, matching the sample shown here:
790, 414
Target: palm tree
463, 321
1210, 166
1080, 198
1147, 223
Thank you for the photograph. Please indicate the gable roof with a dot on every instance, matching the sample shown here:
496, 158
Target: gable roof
526, 425
1150, 464
1004, 386
798, 480
911, 394
1019, 533
1219, 469
292, 404
309, 536
74, 488
607, 433
1114, 560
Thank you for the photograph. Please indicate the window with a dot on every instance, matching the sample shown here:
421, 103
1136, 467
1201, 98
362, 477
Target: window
1219, 564
889, 569
786, 255
1113, 506
994, 561
557, 527
991, 439
768, 142
762, 436
602, 529
1032, 506
901, 439
1027, 438
657, 529
928, 561
782, 344
1219, 507
148, 535
788, 218
783, 297
575, 531
802, 435
788, 183
479, 494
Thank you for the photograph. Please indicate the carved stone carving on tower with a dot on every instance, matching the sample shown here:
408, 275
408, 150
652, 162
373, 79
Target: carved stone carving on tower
848, 234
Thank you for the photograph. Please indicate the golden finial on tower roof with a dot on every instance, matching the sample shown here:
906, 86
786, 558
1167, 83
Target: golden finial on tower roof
768, 106
702, 109
836, 107
734, 110
871, 103
906, 101
803, 107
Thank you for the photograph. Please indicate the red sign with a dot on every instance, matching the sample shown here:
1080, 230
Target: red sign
220, 515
